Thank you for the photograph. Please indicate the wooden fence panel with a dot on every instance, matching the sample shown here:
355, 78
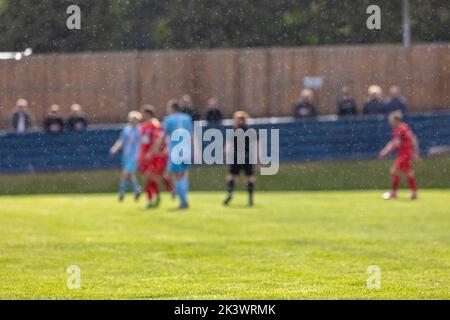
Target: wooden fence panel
265, 82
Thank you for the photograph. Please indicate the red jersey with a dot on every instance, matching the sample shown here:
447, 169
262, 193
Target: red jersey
150, 132
405, 135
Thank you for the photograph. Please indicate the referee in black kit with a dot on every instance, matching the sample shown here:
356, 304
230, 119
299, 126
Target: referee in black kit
242, 162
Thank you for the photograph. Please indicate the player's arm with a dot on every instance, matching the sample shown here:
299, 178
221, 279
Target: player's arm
391, 146
116, 147
158, 141
155, 147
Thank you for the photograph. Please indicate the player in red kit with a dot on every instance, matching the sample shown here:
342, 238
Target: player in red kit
153, 158
405, 143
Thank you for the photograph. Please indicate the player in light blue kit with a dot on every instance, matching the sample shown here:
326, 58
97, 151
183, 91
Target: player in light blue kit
178, 130
130, 142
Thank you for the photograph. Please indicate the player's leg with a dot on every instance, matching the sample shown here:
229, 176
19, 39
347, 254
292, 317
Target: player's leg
153, 191
159, 170
412, 183
249, 172
135, 186
231, 178
148, 186
180, 173
132, 167
395, 181
165, 176
149, 183
233, 173
148, 190
168, 183
182, 188
128, 166
156, 190
124, 180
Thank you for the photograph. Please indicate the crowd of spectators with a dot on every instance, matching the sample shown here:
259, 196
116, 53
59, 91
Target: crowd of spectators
347, 105
54, 122
306, 107
213, 112
22, 119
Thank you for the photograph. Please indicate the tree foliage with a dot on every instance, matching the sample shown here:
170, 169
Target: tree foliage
156, 24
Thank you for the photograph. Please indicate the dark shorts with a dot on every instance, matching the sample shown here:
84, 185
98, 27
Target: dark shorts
235, 169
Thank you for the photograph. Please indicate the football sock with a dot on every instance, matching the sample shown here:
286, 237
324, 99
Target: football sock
155, 188
135, 186
395, 182
149, 190
156, 191
412, 184
123, 186
184, 188
168, 183
178, 188
250, 188
230, 187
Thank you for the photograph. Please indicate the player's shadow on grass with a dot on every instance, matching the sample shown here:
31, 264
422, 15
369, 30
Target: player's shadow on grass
162, 210
192, 209
241, 206
176, 210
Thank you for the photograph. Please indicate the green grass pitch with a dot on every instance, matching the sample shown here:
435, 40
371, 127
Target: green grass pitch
291, 245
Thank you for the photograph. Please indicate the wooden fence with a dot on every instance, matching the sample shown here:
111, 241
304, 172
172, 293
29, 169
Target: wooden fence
265, 82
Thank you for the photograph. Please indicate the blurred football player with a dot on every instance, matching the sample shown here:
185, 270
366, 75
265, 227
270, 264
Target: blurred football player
240, 123
405, 143
129, 142
178, 130
153, 157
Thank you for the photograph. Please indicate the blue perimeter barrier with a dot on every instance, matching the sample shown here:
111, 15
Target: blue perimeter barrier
324, 138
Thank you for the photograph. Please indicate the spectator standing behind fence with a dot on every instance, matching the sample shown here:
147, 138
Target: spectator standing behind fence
347, 105
305, 108
375, 105
189, 108
77, 119
53, 122
396, 101
213, 113
21, 119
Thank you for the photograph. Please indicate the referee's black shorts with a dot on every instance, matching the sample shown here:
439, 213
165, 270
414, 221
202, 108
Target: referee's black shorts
235, 169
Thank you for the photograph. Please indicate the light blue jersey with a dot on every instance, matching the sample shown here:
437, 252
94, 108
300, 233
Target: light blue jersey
131, 142
171, 124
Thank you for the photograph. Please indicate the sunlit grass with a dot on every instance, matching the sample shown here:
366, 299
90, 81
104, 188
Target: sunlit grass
310, 245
